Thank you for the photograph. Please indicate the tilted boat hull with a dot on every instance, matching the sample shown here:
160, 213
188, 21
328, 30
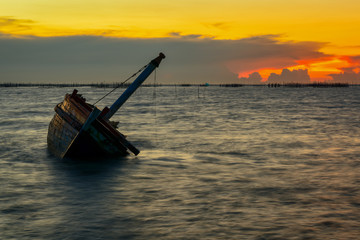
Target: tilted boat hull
79, 129
68, 138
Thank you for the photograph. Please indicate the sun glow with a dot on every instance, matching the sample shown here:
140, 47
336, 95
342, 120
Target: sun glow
318, 69
330, 24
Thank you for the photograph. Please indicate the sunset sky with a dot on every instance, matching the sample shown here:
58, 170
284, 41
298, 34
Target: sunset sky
205, 41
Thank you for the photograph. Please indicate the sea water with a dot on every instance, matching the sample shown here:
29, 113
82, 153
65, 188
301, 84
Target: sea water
215, 163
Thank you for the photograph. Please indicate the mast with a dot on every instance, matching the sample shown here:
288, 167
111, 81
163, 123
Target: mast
132, 88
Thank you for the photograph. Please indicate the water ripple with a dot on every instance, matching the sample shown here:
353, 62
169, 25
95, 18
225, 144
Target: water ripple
257, 164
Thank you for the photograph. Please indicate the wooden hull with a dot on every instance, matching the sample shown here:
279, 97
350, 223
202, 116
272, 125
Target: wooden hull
75, 131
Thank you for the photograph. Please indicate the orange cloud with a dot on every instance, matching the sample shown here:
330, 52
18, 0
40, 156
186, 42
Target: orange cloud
270, 56
267, 54
327, 68
319, 69
348, 71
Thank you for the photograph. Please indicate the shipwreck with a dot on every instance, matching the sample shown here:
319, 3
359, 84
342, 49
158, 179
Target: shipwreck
81, 130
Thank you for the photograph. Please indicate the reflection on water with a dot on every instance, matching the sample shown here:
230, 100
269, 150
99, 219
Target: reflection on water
224, 163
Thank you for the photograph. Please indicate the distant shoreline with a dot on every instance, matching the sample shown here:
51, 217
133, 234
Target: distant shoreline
112, 85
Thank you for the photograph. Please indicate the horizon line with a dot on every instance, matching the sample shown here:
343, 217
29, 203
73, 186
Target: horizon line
110, 85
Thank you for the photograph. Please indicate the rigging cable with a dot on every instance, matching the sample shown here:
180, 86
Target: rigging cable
121, 84
155, 110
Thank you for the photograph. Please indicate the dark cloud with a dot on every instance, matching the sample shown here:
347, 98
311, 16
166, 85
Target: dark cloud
190, 58
15, 24
7, 21
95, 59
190, 36
261, 52
218, 25
288, 76
355, 59
348, 76
254, 78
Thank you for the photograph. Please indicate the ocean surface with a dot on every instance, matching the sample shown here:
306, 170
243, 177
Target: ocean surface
215, 163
